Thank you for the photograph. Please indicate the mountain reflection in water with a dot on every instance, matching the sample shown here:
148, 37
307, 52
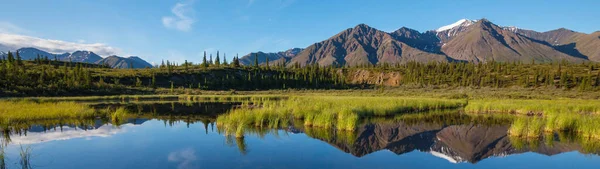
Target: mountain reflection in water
456, 143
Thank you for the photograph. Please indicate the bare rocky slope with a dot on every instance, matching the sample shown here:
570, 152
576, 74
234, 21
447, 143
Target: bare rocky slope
464, 41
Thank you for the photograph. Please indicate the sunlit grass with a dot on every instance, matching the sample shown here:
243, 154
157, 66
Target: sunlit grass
544, 107
341, 113
14, 111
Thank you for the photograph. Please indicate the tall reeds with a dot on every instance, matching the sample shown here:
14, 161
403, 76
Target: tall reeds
341, 113
27, 110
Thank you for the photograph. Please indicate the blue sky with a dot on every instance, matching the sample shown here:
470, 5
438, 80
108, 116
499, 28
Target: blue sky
183, 29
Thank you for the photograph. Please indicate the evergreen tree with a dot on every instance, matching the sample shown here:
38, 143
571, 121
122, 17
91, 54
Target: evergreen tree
204, 61
218, 60
256, 60
186, 66
267, 62
236, 62
19, 59
10, 58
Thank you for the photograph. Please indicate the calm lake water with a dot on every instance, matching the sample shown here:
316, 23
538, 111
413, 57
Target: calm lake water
170, 138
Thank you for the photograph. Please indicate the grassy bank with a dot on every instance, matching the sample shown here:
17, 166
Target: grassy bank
539, 107
537, 117
15, 111
342, 113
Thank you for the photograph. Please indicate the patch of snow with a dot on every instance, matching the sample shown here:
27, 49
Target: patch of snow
511, 28
462, 22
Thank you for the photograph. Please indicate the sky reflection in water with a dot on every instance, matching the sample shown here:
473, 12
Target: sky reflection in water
157, 144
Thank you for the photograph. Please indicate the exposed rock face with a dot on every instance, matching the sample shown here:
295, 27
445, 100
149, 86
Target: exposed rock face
485, 41
363, 45
466, 40
274, 58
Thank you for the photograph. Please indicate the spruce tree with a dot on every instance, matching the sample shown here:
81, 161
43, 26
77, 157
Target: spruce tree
186, 66
256, 60
267, 62
217, 60
236, 62
10, 58
19, 59
204, 61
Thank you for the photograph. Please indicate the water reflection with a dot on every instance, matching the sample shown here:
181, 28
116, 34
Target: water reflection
456, 138
185, 158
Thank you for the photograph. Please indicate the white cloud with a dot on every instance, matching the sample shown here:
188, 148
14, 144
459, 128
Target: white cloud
14, 41
182, 19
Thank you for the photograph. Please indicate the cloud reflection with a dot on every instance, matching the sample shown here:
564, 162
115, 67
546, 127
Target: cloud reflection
186, 158
67, 133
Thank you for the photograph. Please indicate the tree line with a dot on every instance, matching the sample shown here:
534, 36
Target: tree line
43, 76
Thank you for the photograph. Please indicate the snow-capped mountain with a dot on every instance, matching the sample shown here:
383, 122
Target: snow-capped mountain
459, 23
445, 33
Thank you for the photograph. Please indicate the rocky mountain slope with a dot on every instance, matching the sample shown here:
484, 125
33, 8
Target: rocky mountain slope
274, 58
363, 45
466, 40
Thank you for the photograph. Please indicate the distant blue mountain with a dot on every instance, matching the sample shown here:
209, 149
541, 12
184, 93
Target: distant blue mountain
81, 56
124, 63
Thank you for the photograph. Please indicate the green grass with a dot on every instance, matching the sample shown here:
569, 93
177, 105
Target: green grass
586, 126
15, 111
544, 107
341, 113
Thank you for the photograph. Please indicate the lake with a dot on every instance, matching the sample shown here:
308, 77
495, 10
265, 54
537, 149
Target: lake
186, 135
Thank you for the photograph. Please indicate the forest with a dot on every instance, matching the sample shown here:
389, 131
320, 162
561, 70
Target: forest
47, 77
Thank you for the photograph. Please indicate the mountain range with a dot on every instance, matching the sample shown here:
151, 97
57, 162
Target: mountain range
29, 53
474, 41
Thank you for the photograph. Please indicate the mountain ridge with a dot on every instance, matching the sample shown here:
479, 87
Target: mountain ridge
463, 41
30, 53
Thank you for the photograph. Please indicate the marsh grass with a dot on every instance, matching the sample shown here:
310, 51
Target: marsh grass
18, 111
586, 126
533, 107
340, 113
119, 116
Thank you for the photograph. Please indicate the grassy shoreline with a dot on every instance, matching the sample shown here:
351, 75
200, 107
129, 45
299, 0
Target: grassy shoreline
341, 110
